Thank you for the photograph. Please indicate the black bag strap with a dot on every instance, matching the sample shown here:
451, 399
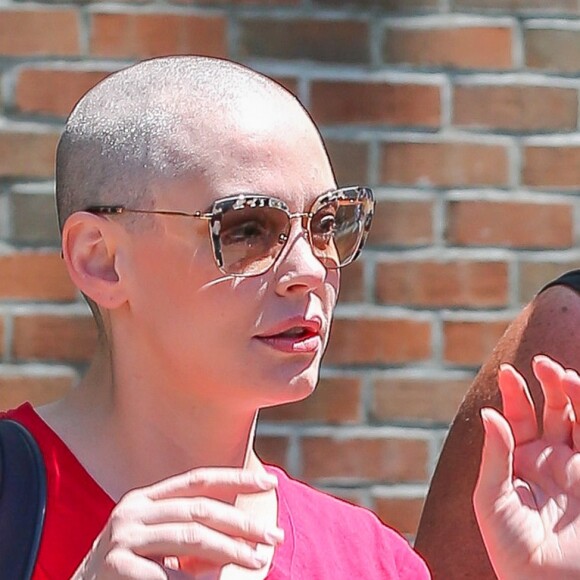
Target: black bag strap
22, 500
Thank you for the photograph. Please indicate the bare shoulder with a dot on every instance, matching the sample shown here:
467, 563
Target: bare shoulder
448, 536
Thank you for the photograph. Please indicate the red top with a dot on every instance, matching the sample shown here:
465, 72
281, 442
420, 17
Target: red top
325, 538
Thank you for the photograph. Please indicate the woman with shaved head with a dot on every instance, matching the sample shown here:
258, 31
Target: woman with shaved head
201, 219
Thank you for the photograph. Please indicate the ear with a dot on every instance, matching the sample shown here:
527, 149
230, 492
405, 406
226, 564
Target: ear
90, 245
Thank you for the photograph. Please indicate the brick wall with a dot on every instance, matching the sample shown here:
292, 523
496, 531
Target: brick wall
463, 114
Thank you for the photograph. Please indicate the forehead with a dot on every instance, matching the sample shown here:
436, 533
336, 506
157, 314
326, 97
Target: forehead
276, 156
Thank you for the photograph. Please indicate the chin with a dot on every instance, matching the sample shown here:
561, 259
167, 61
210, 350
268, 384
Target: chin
296, 388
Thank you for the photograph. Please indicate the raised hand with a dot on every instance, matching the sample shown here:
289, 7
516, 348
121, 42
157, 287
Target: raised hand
182, 523
527, 498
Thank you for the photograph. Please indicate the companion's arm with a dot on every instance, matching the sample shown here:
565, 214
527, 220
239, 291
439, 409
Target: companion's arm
448, 536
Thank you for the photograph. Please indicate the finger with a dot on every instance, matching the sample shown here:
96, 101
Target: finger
518, 408
212, 481
214, 514
496, 469
197, 541
571, 385
126, 564
557, 407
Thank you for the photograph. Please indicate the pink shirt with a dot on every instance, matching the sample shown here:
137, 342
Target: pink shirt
325, 538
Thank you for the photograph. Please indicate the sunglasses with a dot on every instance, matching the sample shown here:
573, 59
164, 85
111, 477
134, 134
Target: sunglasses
248, 231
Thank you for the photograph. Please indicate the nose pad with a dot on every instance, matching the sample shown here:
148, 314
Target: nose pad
300, 270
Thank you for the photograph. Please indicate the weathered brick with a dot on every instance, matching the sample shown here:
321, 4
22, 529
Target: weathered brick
32, 275
438, 284
510, 224
376, 341
321, 40
38, 390
24, 154
383, 5
34, 218
349, 161
335, 400
54, 337
402, 223
444, 164
352, 283
535, 275
470, 343
552, 49
417, 399
401, 513
148, 35
343, 102
376, 459
515, 108
272, 449
289, 83
470, 47
53, 92
39, 32
510, 6
551, 167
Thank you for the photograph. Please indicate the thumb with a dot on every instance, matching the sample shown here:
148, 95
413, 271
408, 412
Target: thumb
496, 468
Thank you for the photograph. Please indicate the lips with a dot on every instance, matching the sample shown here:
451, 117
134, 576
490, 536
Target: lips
296, 335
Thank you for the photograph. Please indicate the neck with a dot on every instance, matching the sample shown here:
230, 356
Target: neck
130, 428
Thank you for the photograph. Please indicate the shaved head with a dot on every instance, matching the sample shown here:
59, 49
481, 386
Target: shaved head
160, 119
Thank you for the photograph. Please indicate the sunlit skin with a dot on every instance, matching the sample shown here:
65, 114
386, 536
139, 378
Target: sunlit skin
186, 357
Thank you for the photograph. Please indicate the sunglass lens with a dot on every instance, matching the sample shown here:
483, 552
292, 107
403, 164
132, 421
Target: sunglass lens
336, 230
252, 238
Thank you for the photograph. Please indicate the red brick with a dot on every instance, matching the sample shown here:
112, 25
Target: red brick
15, 390
515, 108
289, 83
352, 283
335, 400
376, 459
53, 92
471, 343
552, 49
327, 41
443, 284
149, 35
384, 5
510, 224
35, 275
417, 399
471, 47
345, 102
349, 161
535, 275
402, 223
401, 513
39, 32
25, 154
509, 6
272, 450
54, 337
444, 164
378, 341
551, 167
351, 495
241, 2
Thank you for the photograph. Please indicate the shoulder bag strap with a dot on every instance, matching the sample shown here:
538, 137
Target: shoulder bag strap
22, 500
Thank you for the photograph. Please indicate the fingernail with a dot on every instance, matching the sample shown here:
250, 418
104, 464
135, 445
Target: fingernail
274, 536
267, 480
261, 554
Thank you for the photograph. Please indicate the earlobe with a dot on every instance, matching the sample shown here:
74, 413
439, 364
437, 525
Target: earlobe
89, 248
